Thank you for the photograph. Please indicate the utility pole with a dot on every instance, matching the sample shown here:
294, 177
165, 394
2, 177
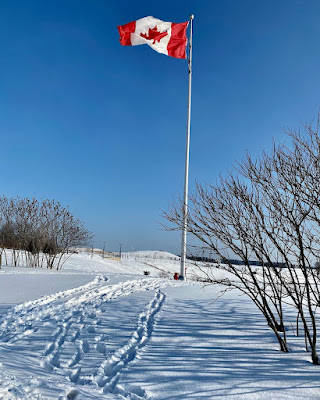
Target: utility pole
120, 251
104, 245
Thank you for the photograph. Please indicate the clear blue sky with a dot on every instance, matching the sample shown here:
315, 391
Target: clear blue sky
101, 127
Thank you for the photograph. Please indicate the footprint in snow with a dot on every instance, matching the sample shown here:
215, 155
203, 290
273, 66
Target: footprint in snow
75, 359
91, 329
101, 348
72, 395
75, 336
85, 347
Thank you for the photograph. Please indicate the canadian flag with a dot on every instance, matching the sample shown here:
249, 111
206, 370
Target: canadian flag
164, 37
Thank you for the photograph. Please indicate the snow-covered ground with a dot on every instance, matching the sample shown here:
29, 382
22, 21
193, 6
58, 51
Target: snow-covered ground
100, 329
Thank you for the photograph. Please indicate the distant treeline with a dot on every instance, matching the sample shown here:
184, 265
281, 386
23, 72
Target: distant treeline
232, 261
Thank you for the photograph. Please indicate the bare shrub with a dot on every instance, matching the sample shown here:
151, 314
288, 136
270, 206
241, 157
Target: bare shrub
42, 231
267, 210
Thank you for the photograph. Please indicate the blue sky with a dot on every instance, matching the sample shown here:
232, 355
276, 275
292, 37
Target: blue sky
101, 127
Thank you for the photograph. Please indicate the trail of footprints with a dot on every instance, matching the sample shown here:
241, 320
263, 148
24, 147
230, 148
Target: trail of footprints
110, 370
24, 319
78, 348
82, 323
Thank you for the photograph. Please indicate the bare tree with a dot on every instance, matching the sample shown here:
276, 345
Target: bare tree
267, 210
221, 221
41, 230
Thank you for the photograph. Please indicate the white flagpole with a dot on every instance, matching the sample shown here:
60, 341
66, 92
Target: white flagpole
186, 171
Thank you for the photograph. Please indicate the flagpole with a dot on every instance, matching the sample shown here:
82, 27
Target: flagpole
186, 170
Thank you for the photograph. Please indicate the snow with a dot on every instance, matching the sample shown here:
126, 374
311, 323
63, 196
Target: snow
100, 329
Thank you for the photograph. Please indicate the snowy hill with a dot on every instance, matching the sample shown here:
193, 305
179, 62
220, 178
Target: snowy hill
103, 330
157, 263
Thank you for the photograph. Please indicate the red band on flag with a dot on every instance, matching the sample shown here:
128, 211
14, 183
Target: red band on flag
178, 41
125, 33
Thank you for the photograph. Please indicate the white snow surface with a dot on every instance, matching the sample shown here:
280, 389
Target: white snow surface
100, 329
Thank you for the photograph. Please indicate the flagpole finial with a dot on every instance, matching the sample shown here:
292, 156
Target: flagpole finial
191, 16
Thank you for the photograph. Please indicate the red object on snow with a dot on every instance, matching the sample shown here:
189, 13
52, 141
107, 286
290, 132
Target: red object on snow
176, 276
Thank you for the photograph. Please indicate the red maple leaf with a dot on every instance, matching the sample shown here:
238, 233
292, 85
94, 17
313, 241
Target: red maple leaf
154, 35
